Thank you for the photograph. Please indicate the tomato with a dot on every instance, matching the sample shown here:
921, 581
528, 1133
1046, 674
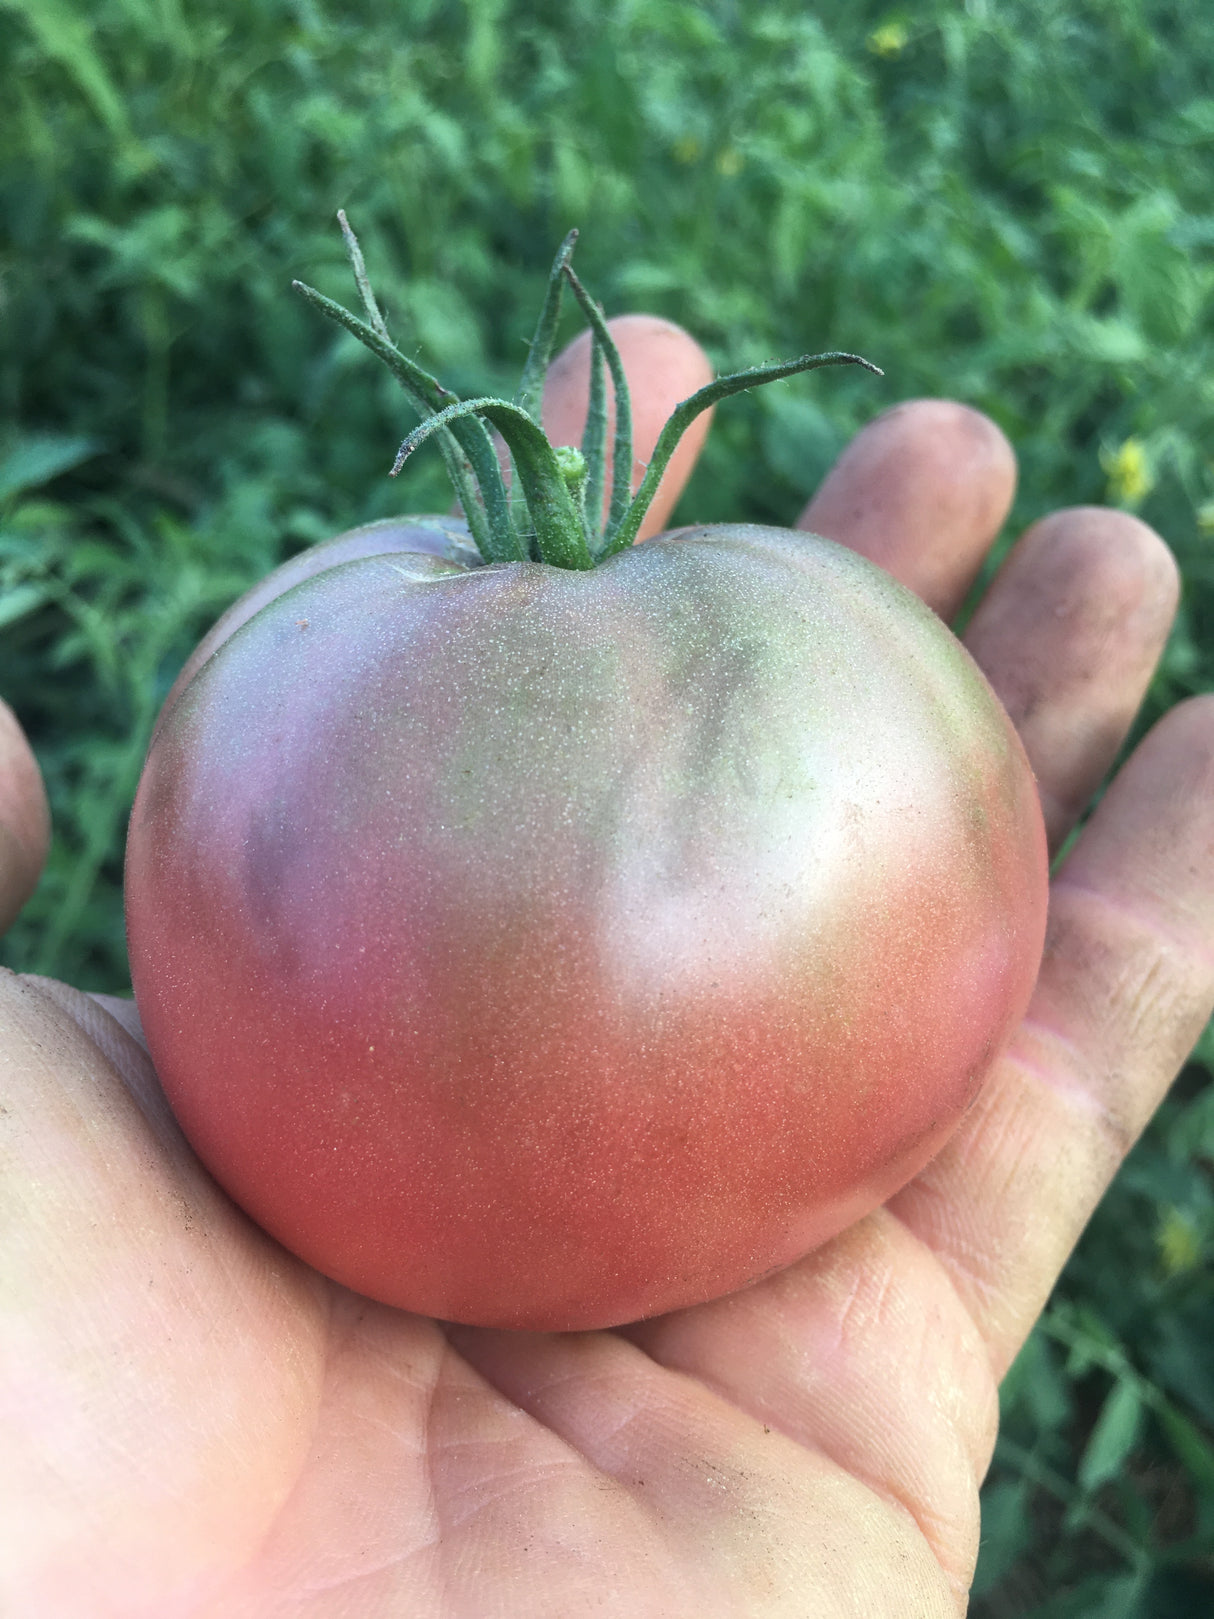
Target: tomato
536, 930
546, 948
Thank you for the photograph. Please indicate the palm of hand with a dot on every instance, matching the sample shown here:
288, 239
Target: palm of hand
203, 1427
244, 1438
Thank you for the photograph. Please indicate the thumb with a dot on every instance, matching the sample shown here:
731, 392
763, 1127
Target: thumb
25, 821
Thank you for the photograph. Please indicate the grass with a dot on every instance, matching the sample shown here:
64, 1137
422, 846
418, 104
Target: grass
1005, 201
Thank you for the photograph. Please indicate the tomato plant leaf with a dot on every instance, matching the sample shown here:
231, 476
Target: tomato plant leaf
36, 458
1114, 1436
1188, 1443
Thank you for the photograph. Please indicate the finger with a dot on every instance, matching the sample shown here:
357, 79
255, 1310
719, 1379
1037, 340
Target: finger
1126, 985
25, 820
1069, 635
923, 490
663, 366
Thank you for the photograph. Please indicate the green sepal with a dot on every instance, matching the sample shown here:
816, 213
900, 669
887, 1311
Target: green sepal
684, 414
621, 452
491, 525
529, 395
358, 264
564, 498
594, 442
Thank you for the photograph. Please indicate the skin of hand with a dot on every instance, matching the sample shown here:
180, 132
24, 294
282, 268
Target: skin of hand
196, 1426
25, 820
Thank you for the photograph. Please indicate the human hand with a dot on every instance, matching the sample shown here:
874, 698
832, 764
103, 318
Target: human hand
25, 822
196, 1424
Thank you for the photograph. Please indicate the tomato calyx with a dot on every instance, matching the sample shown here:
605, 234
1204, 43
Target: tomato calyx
563, 489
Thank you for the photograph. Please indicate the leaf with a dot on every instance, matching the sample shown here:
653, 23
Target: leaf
1103, 1596
1113, 1437
682, 416
1034, 1388
19, 602
556, 521
1090, 1341
530, 395
1180, 1357
70, 37
1107, 340
1190, 1445
38, 457
1007, 1531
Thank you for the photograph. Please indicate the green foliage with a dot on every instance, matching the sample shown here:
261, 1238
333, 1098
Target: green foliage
1005, 201
1101, 1499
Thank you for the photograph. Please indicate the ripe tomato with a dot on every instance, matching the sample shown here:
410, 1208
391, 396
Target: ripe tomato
542, 948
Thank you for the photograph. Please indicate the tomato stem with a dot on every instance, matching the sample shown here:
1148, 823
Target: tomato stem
564, 489
550, 502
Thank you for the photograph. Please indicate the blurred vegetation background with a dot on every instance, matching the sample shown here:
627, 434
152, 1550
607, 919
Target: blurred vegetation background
1005, 201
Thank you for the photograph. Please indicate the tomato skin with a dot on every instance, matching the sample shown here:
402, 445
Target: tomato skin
430, 536
544, 949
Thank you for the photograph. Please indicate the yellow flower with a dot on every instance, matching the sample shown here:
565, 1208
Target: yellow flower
888, 40
1179, 1245
1129, 474
729, 161
686, 149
